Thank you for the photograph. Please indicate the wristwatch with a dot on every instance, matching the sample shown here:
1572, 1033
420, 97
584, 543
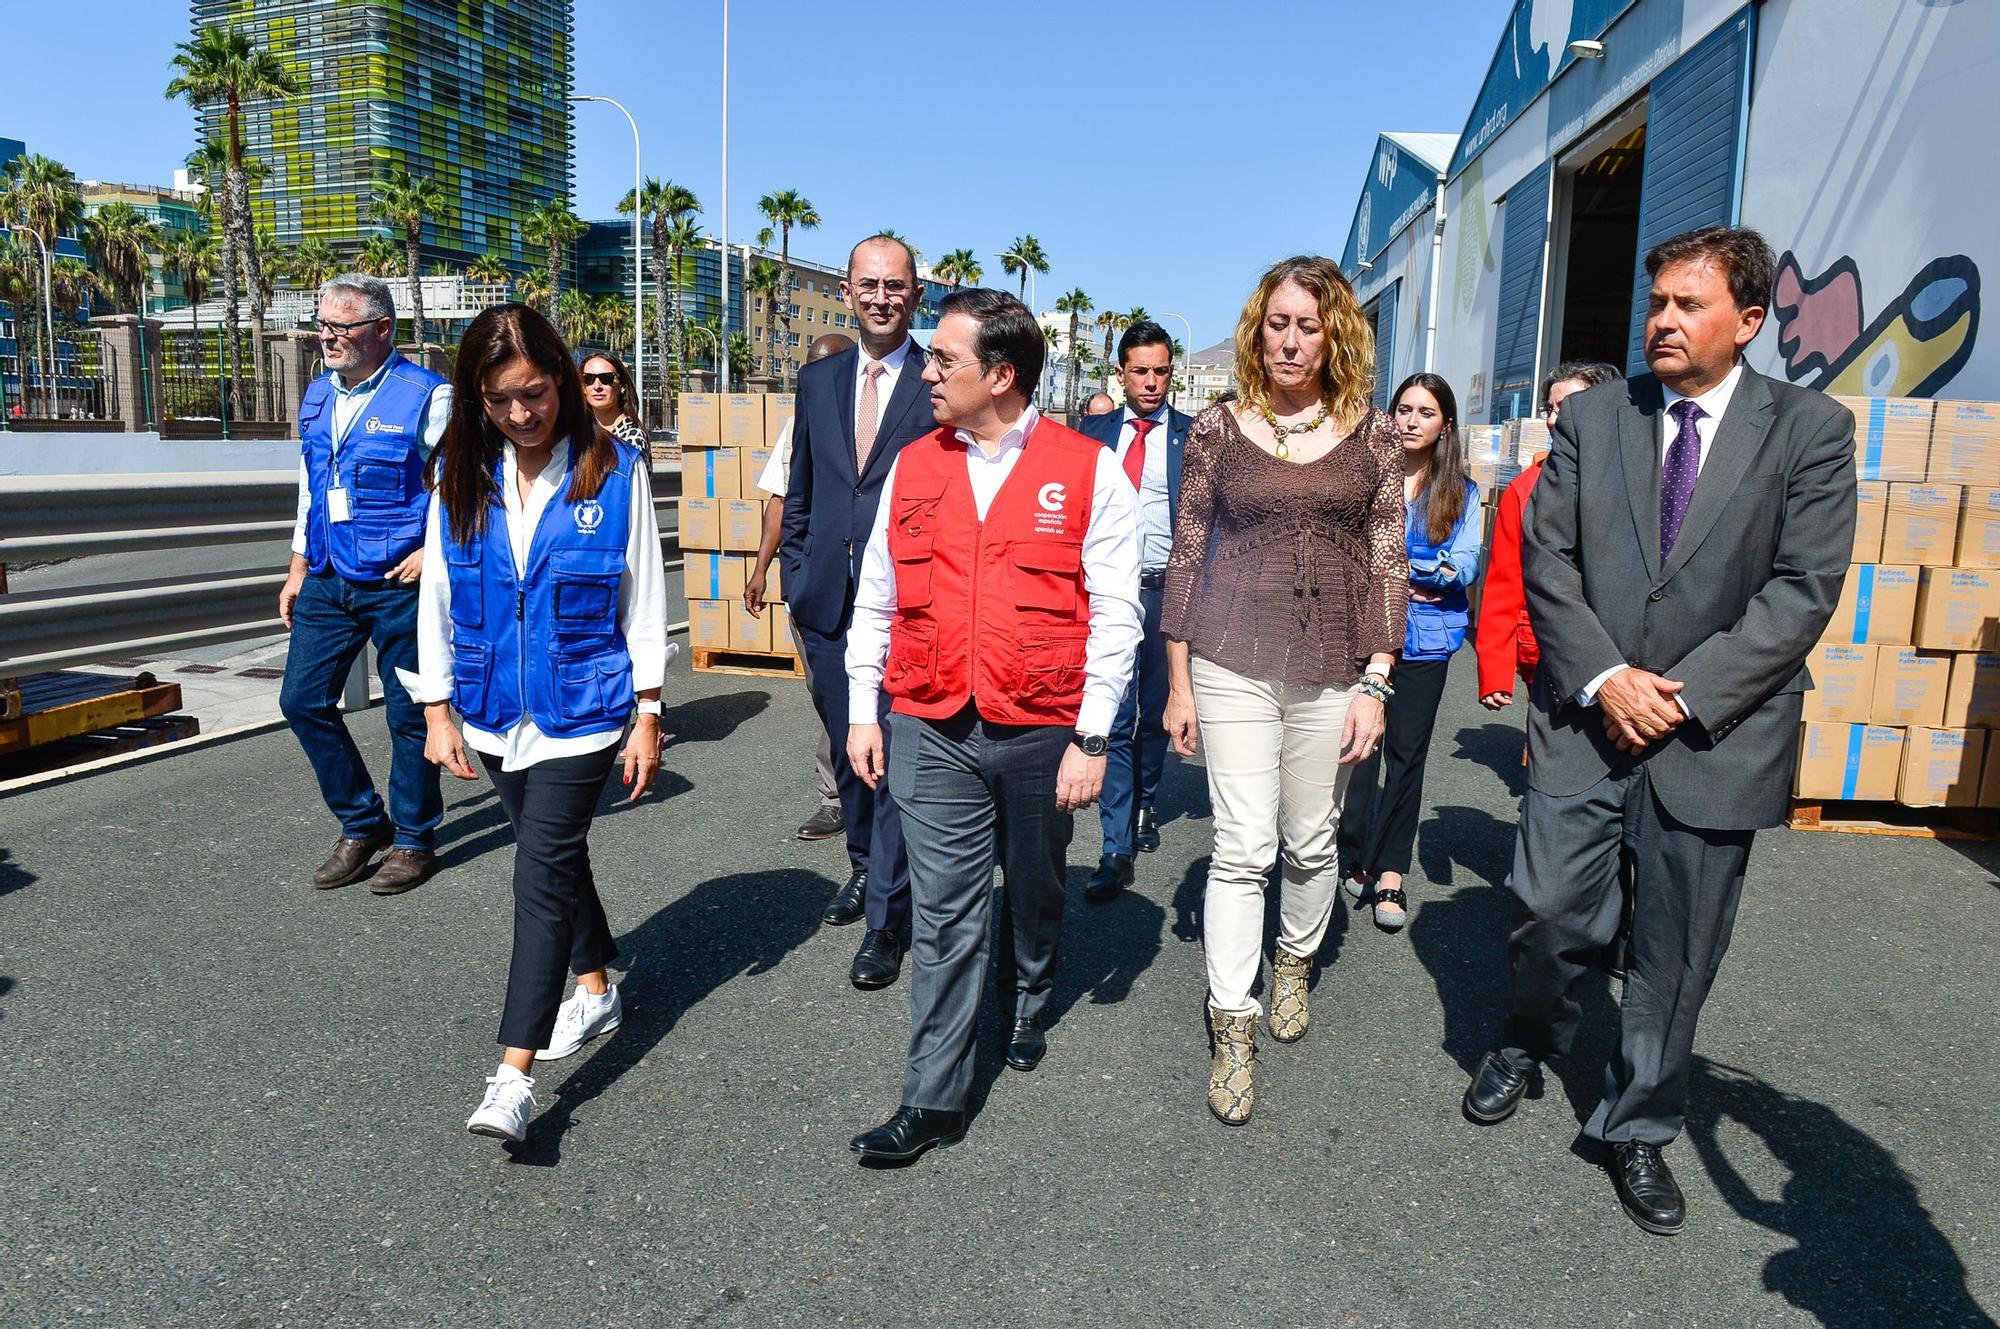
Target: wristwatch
1093, 745
648, 706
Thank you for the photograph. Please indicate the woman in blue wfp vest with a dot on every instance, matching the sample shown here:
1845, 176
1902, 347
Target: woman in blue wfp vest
1442, 529
542, 621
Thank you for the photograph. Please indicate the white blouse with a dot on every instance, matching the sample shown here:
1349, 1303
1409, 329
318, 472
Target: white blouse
642, 609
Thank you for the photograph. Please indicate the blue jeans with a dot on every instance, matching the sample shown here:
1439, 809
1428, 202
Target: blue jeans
1138, 749
332, 621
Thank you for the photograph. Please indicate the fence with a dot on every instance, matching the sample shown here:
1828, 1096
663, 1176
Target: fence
79, 388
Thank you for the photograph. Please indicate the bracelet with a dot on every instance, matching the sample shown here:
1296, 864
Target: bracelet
1373, 685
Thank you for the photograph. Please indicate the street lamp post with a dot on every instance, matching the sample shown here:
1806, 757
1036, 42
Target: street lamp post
1189, 344
638, 264
722, 342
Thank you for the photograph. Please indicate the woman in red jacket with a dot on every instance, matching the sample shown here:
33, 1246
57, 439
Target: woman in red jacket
1505, 641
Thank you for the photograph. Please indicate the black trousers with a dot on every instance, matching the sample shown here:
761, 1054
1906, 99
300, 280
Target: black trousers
1385, 795
1686, 881
559, 924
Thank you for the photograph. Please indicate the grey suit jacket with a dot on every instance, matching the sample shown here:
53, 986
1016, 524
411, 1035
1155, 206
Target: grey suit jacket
1751, 583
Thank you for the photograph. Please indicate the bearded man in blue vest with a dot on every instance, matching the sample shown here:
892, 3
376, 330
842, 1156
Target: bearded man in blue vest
366, 429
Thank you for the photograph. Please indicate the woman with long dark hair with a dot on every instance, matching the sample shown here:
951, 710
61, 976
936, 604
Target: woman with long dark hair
608, 391
541, 620
1378, 826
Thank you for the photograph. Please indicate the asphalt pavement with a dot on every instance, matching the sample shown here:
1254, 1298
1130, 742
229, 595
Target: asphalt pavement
229, 1100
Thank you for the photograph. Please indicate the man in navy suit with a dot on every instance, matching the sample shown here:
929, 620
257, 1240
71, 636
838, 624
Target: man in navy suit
855, 411
1149, 437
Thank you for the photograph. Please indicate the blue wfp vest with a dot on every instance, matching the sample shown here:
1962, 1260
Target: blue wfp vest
380, 465
1436, 631
545, 644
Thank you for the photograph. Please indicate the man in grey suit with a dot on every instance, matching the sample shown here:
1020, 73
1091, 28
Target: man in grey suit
1682, 553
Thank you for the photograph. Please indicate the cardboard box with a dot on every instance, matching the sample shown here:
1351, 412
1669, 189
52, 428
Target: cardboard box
1989, 783
1892, 437
1979, 529
1848, 761
1958, 609
1483, 443
1972, 699
743, 420
1843, 683
1910, 687
778, 408
753, 461
1878, 605
742, 524
1941, 768
701, 526
774, 585
708, 624
1871, 514
713, 576
1965, 443
700, 420
782, 641
747, 631
1922, 525
710, 473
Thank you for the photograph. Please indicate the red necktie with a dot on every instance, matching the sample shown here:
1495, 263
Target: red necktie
1135, 456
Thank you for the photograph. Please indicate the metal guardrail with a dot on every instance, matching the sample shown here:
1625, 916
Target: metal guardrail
58, 517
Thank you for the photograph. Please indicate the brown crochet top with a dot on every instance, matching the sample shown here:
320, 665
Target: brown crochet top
1286, 570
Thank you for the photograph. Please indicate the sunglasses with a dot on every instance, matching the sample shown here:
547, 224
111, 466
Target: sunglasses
600, 380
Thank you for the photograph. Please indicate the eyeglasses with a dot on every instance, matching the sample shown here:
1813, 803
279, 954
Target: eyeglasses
329, 328
869, 286
600, 380
948, 367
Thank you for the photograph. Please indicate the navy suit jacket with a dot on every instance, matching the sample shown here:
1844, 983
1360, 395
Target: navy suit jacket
1106, 428
829, 509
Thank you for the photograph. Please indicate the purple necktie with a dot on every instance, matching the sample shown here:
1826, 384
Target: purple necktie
1683, 468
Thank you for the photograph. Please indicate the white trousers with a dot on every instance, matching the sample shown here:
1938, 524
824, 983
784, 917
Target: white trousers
1273, 756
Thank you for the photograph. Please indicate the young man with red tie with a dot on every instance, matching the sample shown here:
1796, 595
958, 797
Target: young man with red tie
998, 610
1147, 435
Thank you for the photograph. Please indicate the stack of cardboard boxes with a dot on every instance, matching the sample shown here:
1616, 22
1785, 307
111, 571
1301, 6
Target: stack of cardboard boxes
1907, 679
726, 440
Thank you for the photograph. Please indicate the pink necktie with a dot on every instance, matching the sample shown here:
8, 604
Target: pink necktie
869, 417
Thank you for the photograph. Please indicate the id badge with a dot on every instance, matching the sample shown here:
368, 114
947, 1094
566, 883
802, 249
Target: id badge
337, 508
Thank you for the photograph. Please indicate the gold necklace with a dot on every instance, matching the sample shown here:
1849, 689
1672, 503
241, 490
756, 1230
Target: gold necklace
1281, 431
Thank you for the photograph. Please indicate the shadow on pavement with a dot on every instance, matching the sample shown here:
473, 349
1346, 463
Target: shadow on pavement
1183, 790
740, 925
1187, 901
1105, 947
12, 875
1868, 1254
1497, 747
6, 986
712, 719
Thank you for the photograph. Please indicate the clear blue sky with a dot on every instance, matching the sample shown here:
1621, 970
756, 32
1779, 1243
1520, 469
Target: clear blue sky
1164, 154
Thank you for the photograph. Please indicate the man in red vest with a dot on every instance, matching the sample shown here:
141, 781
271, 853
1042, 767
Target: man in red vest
998, 609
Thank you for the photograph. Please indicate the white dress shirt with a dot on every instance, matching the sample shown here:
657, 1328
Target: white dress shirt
893, 365
347, 404
642, 609
1712, 403
1110, 576
776, 476
1156, 521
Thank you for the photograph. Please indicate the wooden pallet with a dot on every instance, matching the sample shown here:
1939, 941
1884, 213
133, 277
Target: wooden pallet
1895, 819
65, 704
757, 664
97, 745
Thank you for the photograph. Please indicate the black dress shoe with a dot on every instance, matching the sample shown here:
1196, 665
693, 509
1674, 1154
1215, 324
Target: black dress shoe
879, 960
349, 859
824, 824
1114, 874
851, 904
1027, 1044
1495, 1090
904, 1137
1148, 837
1647, 1189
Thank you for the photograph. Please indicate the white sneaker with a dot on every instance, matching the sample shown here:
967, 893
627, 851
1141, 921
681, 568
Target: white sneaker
580, 1019
503, 1113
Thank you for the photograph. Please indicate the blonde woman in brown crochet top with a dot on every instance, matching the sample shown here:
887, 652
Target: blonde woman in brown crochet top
1284, 608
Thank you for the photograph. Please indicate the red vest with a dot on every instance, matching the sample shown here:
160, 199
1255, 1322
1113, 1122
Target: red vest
991, 612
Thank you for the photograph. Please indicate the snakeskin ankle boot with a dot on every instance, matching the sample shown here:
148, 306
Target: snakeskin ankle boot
1230, 1094
1290, 1012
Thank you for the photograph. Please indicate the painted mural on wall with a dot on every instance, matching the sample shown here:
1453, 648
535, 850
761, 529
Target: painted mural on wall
1534, 48
1912, 346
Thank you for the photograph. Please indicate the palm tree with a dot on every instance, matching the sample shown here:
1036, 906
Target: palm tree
916, 254
191, 257
489, 269
1112, 322
663, 205
1076, 304
553, 225
573, 316
611, 323
960, 267
701, 339
71, 283
121, 240
788, 208
380, 256
683, 237
1025, 255
20, 286
46, 198
764, 279
739, 358
408, 201
224, 65
536, 287
313, 263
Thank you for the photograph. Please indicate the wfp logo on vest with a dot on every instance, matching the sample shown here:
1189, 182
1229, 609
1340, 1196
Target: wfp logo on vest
377, 425
589, 516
